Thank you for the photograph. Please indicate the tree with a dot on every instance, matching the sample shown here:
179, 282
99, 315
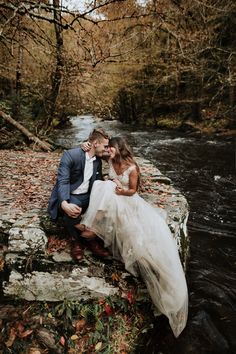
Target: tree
93, 48
186, 65
59, 65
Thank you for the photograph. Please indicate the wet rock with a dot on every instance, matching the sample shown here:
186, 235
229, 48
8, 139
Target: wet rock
214, 338
5, 224
46, 337
61, 257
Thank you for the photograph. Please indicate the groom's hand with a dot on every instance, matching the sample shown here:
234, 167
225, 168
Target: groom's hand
72, 210
86, 146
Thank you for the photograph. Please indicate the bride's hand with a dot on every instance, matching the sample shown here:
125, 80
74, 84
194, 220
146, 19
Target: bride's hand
119, 191
117, 182
86, 146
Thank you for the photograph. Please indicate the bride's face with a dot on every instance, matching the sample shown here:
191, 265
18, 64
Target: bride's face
112, 152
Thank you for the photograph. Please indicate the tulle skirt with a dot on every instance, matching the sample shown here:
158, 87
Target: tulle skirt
138, 235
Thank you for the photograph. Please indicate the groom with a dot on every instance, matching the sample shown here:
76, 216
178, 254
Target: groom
70, 196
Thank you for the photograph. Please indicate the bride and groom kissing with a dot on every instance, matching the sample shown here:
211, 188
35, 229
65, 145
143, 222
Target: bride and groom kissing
111, 211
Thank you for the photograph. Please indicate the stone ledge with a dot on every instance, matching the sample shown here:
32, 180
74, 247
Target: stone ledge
44, 286
34, 273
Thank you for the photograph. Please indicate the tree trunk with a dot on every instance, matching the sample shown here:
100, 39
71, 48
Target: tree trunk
17, 105
232, 112
57, 75
18, 79
42, 144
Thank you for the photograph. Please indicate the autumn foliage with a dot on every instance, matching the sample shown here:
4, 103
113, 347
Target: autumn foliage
136, 61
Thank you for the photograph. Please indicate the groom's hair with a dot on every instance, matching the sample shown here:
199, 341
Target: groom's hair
98, 134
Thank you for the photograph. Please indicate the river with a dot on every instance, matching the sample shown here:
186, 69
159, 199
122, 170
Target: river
203, 169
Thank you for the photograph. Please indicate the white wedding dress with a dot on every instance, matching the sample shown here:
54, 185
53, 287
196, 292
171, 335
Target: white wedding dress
139, 236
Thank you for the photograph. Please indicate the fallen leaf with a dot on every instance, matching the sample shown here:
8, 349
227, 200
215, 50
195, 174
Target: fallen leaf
62, 341
115, 277
108, 309
34, 350
25, 333
2, 262
131, 297
98, 346
11, 338
19, 326
55, 244
74, 337
79, 325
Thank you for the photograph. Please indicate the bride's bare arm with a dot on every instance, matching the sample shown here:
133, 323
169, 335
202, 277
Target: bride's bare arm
133, 185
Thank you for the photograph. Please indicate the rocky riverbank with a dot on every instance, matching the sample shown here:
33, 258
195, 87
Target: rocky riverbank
50, 300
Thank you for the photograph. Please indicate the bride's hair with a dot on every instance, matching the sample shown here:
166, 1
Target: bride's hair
124, 153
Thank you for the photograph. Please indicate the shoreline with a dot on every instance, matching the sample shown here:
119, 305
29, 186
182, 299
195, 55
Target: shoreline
13, 140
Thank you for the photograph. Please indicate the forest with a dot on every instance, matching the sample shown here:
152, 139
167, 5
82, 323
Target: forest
161, 63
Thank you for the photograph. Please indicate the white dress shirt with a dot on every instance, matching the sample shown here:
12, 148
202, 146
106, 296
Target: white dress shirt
88, 171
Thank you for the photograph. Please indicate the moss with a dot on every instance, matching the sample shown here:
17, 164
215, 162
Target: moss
169, 122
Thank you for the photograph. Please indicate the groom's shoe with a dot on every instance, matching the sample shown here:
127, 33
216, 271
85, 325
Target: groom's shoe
77, 251
88, 234
97, 249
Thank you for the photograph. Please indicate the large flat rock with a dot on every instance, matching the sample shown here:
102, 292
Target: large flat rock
55, 286
37, 273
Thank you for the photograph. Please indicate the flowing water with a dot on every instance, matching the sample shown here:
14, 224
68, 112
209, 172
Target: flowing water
203, 168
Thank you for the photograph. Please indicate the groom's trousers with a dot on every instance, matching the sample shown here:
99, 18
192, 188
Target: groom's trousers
81, 200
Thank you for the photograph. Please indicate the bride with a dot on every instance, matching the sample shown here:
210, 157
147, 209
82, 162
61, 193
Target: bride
137, 234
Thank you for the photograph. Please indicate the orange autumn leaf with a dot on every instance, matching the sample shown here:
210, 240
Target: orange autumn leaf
25, 333
2, 262
115, 277
55, 244
79, 325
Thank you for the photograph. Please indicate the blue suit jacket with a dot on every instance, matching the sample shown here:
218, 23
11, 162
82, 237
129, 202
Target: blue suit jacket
70, 176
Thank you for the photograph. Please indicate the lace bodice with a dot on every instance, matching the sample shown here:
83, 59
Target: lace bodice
124, 177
